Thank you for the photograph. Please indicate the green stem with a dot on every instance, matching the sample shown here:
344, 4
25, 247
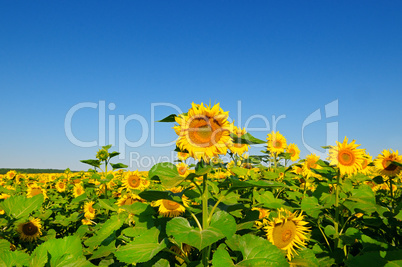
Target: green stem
214, 207
336, 220
205, 251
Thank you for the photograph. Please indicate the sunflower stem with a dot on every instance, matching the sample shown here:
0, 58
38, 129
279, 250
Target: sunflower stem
205, 251
336, 221
214, 207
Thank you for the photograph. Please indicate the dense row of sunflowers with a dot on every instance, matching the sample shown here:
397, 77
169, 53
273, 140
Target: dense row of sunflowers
268, 210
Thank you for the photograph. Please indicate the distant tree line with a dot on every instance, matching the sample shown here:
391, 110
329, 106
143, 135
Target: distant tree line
29, 170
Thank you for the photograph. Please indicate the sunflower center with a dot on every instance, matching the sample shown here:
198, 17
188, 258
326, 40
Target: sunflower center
292, 152
284, 234
91, 209
134, 181
170, 205
29, 229
204, 132
346, 157
36, 191
277, 144
61, 185
311, 164
182, 170
388, 165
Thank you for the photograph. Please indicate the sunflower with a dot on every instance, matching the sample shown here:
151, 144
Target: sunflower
184, 251
239, 148
287, 231
87, 221
384, 165
102, 155
204, 131
78, 190
346, 156
89, 211
129, 199
294, 152
183, 169
61, 186
10, 174
263, 213
367, 159
276, 142
30, 230
169, 208
182, 156
309, 163
133, 180
34, 189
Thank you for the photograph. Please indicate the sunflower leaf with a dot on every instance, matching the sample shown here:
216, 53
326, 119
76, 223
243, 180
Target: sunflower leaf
142, 249
170, 118
246, 139
118, 166
111, 225
256, 251
167, 173
14, 258
20, 206
222, 225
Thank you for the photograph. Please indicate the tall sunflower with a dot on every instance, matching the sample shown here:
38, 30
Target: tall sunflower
367, 159
60, 186
129, 199
89, 211
239, 148
294, 152
276, 142
347, 157
78, 190
183, 169
311, 163
169, 208
30, 230
384, 165
287, 231
132, 180
204, 131
34, 189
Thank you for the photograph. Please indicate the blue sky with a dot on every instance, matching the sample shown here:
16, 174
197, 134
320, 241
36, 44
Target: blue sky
146, 59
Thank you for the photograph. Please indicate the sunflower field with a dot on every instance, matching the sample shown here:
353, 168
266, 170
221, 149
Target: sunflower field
273, 209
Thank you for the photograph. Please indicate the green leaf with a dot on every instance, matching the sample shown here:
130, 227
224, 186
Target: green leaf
111, 225
63, 252
118, 166
139, 208
167, 173
153, 195
4, 245
107, 204
142, 249
162, 263
170, 118
246, 139
362, 199
19, 206
202, 168
113, 154
236, 184
305, 257
104, 251
93, 162
221, 257
311, 207
222, 224
269, 200
14, 258
239, 171
256, 251
79, 199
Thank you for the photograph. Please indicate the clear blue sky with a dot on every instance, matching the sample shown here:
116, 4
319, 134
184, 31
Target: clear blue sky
270, 58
